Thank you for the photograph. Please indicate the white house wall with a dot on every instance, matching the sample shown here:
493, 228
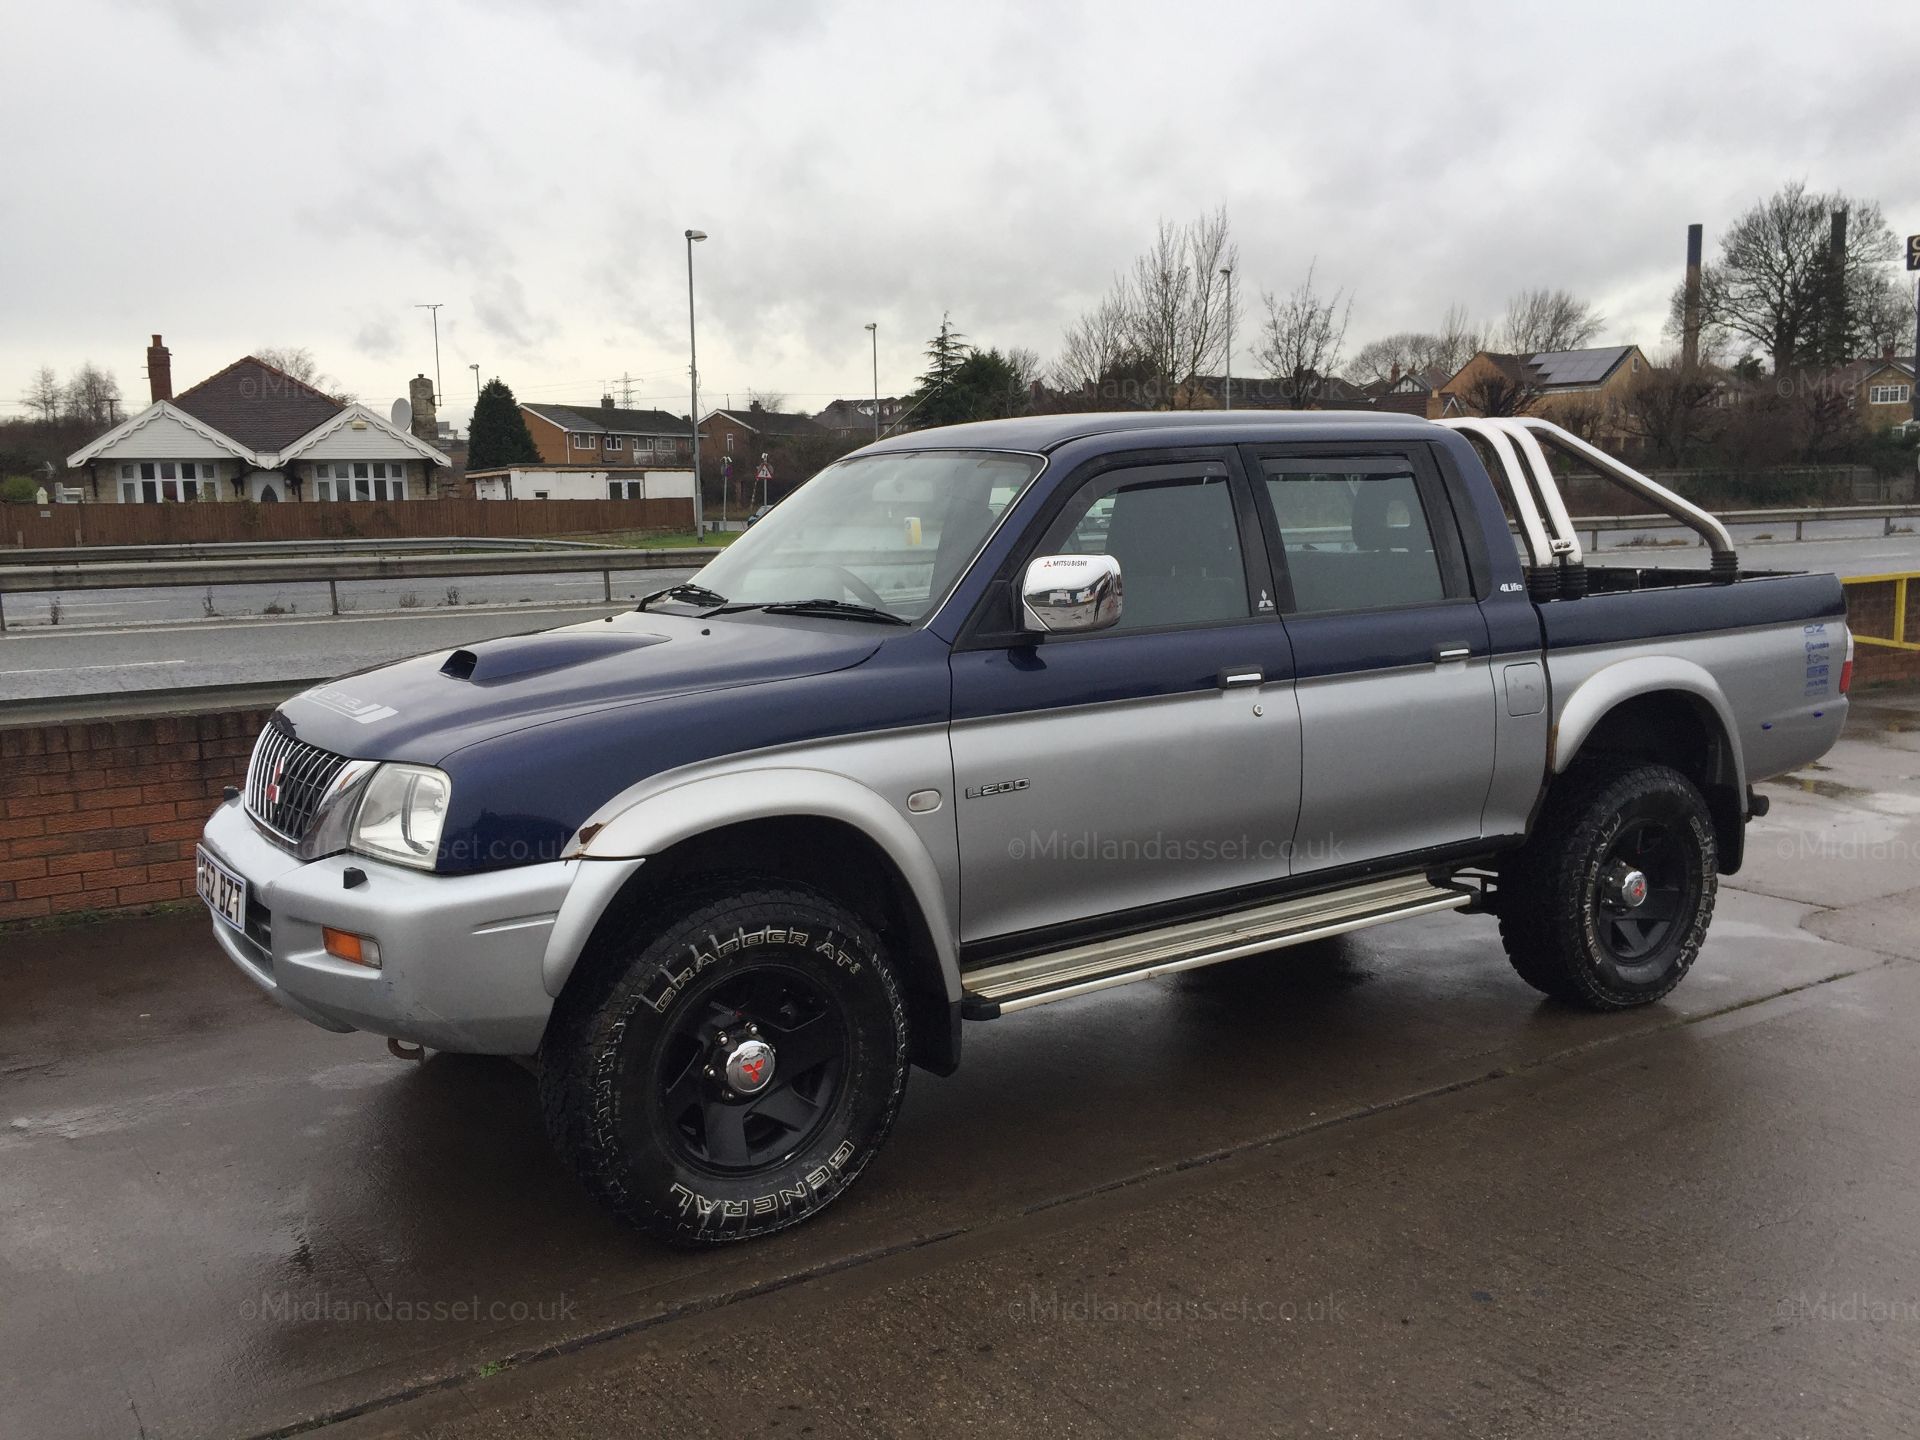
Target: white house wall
347, 443
587, 484
163, 438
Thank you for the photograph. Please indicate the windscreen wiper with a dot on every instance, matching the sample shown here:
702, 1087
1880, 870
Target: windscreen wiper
692, 594
846, 608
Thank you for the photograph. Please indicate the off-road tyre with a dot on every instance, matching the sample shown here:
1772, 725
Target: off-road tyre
654, 1138
1564, 928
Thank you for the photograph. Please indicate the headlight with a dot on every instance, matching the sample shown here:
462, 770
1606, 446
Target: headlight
401, 815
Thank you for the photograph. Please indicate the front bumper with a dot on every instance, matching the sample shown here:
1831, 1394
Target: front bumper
461, 954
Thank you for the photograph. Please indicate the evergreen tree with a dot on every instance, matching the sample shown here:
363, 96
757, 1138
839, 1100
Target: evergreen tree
498, 436
938, 401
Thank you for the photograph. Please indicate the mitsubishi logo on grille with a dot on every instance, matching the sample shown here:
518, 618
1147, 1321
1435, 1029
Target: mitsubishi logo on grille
273, 785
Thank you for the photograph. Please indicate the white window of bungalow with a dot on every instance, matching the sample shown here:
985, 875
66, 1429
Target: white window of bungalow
360, 480
154, 482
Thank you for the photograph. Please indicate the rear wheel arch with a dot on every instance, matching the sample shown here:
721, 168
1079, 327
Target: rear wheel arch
1665, 712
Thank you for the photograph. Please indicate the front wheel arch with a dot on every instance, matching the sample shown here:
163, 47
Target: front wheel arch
823, 854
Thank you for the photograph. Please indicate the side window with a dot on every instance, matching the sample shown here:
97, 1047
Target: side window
1177, 543
1354, 539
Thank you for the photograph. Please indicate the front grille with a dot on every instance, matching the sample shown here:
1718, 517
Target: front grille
287, 780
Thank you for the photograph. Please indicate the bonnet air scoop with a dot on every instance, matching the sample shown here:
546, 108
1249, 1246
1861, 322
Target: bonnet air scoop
493, 661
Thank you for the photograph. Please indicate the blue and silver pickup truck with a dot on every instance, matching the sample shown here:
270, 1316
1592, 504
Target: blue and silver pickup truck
985, 717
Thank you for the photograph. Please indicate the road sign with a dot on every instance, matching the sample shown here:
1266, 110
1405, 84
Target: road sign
763, 471
1913, 252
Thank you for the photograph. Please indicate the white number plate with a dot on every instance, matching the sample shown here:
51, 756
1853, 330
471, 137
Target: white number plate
224, 891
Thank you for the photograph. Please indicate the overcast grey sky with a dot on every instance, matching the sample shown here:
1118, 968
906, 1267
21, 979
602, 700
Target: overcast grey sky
244, 175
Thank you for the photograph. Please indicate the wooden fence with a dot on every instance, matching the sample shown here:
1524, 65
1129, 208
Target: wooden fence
47, 526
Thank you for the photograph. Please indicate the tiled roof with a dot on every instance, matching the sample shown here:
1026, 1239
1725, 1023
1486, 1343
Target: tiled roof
604, 419
772, 422
261, 407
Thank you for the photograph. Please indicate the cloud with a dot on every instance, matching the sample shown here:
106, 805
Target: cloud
535, 167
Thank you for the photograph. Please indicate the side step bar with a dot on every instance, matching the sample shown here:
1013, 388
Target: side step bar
995, 990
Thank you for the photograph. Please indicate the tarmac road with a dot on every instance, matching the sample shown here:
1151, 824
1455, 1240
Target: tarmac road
126, 640
44, 662
1373, 1187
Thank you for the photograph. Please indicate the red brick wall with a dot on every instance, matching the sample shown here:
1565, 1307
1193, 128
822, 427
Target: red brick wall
1870, 612
102, 815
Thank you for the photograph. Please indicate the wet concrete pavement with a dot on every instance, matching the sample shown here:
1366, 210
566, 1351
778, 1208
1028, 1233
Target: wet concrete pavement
1370, 1187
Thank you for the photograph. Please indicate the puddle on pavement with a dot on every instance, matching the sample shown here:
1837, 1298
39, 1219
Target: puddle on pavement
1884, 801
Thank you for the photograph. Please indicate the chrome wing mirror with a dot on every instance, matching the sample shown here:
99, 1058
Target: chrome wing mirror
1070, 594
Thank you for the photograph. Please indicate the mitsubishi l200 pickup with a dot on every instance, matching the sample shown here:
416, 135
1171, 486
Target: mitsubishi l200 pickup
991, 716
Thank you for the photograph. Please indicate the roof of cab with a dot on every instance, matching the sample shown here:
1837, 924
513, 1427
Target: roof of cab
1040, 433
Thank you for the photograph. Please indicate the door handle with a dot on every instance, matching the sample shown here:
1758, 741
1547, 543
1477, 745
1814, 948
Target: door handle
1236, 676
1443, 654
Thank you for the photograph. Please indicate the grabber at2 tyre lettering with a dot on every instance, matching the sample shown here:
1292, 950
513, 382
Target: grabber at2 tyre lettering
1607, 904
732, 1067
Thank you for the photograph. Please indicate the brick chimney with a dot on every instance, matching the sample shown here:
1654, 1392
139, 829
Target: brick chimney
160, 370
606, 402
420, 397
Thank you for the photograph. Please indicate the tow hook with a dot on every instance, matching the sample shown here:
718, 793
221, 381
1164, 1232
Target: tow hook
401, 1050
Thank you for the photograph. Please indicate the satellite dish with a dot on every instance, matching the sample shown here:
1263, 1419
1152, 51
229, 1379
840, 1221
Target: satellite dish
402, 415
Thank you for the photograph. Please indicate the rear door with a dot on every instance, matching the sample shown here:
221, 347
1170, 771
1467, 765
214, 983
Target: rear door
1390, 651
1148, 764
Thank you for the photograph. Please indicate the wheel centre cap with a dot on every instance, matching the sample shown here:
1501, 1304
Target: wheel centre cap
749, 1067
1633, 889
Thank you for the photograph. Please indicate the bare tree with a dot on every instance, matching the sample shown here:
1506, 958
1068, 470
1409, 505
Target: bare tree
1774, 284
769, 400
1024, 367
1301, 340
43, 395
1458, 341
92, 395
1883, 321
1500, 390
294, 360
1542, 320
1159, 291
1671, 411
1166, 316
297, 361
1387, 358
1096, 344
1204, 328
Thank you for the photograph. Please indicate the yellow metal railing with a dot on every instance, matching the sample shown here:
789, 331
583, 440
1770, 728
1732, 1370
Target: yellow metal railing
1898, 639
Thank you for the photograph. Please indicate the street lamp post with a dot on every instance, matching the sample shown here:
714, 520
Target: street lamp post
873, 329
475, 367
693, 371
434, 310
1228, 272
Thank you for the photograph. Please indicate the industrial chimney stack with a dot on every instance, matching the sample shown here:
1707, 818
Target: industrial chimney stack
160, 370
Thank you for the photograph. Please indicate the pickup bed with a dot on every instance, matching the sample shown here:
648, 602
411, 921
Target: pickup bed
987, 717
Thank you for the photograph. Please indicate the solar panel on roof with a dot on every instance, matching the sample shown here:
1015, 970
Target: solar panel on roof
1578, 367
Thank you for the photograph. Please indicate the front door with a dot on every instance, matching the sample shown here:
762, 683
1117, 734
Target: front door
1150, 763
1392, 672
